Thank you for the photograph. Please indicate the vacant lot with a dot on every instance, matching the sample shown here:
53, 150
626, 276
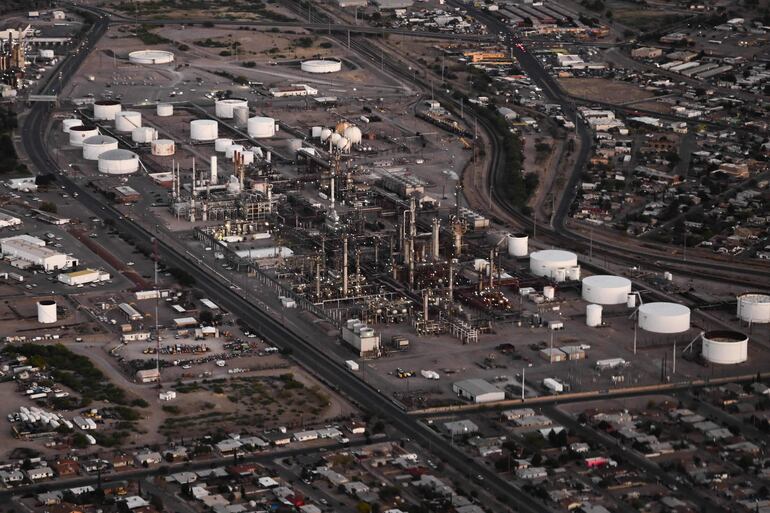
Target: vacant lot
603, 90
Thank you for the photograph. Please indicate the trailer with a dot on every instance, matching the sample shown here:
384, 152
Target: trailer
553, 386
351, 365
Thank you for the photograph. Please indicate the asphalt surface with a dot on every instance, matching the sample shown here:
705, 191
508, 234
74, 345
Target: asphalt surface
304, 351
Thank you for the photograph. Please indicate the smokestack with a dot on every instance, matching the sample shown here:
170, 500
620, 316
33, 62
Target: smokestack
491, 268
331, 190
268, 157
213, 177
457, 229
345, 266
425, 306
173, 179
451, 279
193, 179
435, 233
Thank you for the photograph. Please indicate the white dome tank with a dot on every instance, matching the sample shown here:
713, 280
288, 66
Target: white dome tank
606, 290
518, 244
664, 318
552, 263
46, 311
144, 134
335, 138
221, 144
78, 134
754, 308
224, 108
232, 149
204, 130
261, 127
353, 134
162, 147
68, 124
343, 144
105, 110
151, 57
725, 347
593, 316
118, 162
321, 66
325, 134
127, 120
164, 110
98, 144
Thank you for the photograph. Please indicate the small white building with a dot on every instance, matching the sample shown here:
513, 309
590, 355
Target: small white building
293, 90
83, 277
478, 391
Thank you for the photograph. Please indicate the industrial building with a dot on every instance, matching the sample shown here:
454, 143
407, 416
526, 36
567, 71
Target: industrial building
83, 277
478, 391
25, 249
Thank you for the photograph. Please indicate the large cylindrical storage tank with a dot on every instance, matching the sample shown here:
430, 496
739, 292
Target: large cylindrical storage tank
606, 290
164, 110
664, 318
224, 108
261, 127
754, 308
127, 120
241, 116
204, 130
78, 134
321, 66
551, 262
106, 110
151, 57
725, 347
118, 162
144, 134
232, 150
46, 311
221, 144
162, 147
98, 144
593, 316
518, 244
68, 124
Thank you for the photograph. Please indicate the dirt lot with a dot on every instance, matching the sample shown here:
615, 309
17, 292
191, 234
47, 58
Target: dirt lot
600, 89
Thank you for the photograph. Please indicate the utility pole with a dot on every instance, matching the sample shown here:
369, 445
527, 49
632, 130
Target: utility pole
523, 372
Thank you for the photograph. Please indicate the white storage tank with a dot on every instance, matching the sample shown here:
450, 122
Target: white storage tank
725, 347
221, 144
593, 316
68, 124
127, 120
573, 273
98, 144
118, 162
549, 292
754, 308
46, 311
164, 110
232, 150
325, 134
552, 262
604, 289
150, 57
162, 147
106, 110
353, 134
224, 108
664, 318
321, 66
631, 301
315, 132
204, 130
261, 127
343, 144
144, 134
78, 134
241, 116
518, 244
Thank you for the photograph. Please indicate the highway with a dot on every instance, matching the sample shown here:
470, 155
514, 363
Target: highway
304, 351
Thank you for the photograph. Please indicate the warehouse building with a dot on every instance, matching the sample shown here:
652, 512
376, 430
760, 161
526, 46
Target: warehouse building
83, 277
32, 251
478, 391
7, 220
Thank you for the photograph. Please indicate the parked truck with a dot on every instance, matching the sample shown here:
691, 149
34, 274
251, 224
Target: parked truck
351, 365
553, 386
